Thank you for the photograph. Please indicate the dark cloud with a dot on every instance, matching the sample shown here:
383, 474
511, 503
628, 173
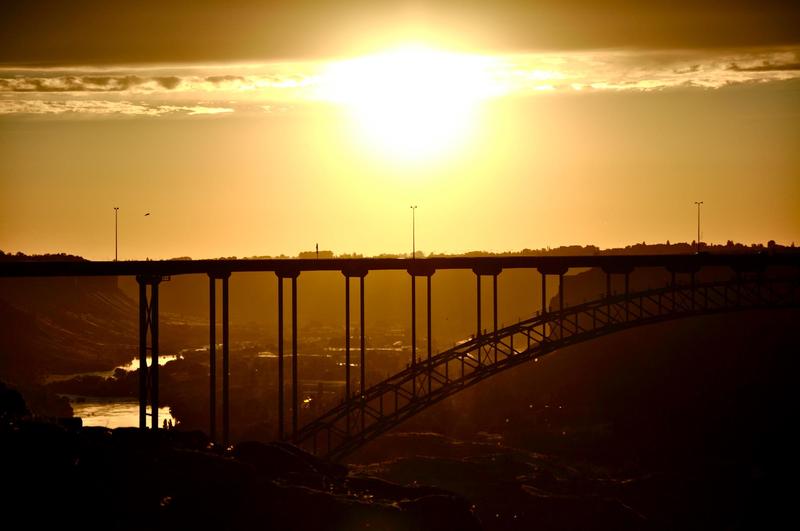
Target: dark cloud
766, 67
688, 70
76, 83
223, 79
95, 32
168, 82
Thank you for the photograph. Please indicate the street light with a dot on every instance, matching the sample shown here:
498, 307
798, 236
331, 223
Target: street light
116, 240
698, 203
413, 232
147, 214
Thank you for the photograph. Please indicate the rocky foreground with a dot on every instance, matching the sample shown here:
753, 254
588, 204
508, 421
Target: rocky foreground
62, 475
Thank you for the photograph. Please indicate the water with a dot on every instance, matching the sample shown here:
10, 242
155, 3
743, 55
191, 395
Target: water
113, 412
132, 365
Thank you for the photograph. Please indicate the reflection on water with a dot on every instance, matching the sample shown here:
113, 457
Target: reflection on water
113, 412
132, 365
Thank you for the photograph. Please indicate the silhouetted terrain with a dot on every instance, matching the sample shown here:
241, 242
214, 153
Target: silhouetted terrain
95, 478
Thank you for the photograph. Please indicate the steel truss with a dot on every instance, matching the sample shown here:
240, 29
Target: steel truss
384, 405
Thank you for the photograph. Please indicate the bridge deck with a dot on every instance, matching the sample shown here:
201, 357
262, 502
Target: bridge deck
547, 264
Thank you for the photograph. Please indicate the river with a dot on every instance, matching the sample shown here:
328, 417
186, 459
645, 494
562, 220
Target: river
113, 412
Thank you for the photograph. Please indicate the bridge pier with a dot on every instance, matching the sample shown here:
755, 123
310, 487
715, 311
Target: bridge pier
494, 314
419, 269
544, 291
347, 338
226, 372
561, 306
363, 360
413, 333
294, 356
619, 269
478, 304
212, 346
284, 274
559, 270
148, 321
360, 274
212, 357
486, 270
430, 339
627, 291
281, 394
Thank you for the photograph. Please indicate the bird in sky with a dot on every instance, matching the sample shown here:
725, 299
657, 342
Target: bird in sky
147, 214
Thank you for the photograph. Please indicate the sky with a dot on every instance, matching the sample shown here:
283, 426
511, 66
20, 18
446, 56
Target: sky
258, 128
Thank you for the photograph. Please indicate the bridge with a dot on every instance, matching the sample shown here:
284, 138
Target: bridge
759, 281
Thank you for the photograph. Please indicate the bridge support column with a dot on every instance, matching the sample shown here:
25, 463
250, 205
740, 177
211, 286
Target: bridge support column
281, 394
544, 305
627, 291
148, 320
284, 274
494, 314
294, 356
347, 339
413, 333
143, 326
226, 372
486, 270
430, 338
478, 277
619, 269
212, 358
363, 360
419, 269
348, 274
552, 270
544, 292
561, 305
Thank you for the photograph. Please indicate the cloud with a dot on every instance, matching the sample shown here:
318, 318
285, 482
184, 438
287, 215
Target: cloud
200, 89
103, 108
224, 79
168, 82
653, 70
180, 79
765, 67
70, 83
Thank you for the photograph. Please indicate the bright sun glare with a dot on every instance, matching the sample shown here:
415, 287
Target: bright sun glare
411, 103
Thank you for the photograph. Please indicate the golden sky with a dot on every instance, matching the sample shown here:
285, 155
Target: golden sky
251, 128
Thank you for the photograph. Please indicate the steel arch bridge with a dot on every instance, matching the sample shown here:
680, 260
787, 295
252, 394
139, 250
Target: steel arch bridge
381, 407
368, 412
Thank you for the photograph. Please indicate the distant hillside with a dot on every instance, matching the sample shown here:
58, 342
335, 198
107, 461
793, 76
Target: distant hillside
49, 325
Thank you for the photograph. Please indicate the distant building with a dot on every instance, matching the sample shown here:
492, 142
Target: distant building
313, 254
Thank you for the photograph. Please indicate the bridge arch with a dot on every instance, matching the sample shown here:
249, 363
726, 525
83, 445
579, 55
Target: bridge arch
383, 406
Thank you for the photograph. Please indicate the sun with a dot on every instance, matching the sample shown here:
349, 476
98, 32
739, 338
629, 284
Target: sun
411, 103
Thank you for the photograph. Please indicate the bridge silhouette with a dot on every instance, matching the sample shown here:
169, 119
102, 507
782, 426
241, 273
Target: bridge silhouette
760, 281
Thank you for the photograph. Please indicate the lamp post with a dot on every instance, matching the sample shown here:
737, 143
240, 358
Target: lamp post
698, 203
147, 215
413, 232
116, 240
